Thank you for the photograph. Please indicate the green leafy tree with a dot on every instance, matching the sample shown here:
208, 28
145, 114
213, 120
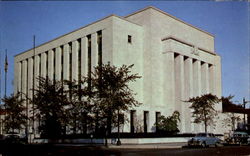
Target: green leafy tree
169, 124
80, 108
203, 109
112, 92
50, 106
15, 119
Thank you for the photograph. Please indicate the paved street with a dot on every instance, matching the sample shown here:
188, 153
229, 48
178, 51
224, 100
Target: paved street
171, 149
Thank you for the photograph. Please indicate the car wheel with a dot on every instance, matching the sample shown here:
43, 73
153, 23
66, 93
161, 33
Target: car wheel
203, 145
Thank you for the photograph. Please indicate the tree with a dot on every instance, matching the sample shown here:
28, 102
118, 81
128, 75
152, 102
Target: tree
15, 118
80, 108
169, 124
203, 109
112, 92
50, 106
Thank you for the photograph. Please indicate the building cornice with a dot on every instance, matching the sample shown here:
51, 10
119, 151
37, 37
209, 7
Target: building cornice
187, 43
112, 15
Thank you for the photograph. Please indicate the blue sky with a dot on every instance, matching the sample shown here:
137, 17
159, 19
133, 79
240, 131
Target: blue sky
228, 21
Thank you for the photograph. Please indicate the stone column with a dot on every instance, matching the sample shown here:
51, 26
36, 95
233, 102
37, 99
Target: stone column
188, 72
30, 77
204, 79
58, 65
43, 64
197, 85
19, 81
37, 72
179, 89
66, 62
24, 77
75, 48
217, 80
169, 82
94, 51
84, 56
106, 47
211, 79
16, 75
51, 64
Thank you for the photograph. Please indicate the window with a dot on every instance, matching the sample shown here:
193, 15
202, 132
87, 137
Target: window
129, 39
89, 61
62, 62
132, 121
99, 44
146, 119
157, 116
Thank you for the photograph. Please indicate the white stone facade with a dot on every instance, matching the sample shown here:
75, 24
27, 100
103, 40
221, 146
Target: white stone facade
176, 61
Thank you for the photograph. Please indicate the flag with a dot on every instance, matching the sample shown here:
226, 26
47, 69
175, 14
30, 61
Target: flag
6, 62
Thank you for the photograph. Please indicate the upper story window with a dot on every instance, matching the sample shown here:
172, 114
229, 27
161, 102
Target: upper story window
129, 39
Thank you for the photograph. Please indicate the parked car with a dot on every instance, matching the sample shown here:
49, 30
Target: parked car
240, 138
204, 140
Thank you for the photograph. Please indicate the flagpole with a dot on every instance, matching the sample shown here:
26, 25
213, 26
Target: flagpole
6, 70
33, 92
0, 83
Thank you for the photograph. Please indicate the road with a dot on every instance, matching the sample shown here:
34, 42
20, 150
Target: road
39, 150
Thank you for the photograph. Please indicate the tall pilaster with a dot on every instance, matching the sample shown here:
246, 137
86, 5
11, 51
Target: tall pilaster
24, 77
19, 80
75, 48
37, 69
43, 65
179, 89
51, 64
197, 85
94, 51
211, 79
84, 56
30, 77
169, 82
188, 63
204, 78
58, 65
66, 62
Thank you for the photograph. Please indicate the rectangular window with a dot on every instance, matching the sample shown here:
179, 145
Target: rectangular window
132, 121
21, 74
99, 44
129, 39
89, 61
40, 64
157, 116
47, 62
54, 64
62, 62
79, 59
146, 119
70, 61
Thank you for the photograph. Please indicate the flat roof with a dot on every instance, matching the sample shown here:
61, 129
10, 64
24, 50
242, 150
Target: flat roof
165, 13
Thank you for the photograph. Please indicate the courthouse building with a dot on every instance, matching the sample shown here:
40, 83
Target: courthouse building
175, 59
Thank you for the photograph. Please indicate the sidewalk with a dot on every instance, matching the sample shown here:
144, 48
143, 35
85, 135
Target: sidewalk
150, 146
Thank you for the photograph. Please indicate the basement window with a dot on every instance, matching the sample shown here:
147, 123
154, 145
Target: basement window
129, 39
